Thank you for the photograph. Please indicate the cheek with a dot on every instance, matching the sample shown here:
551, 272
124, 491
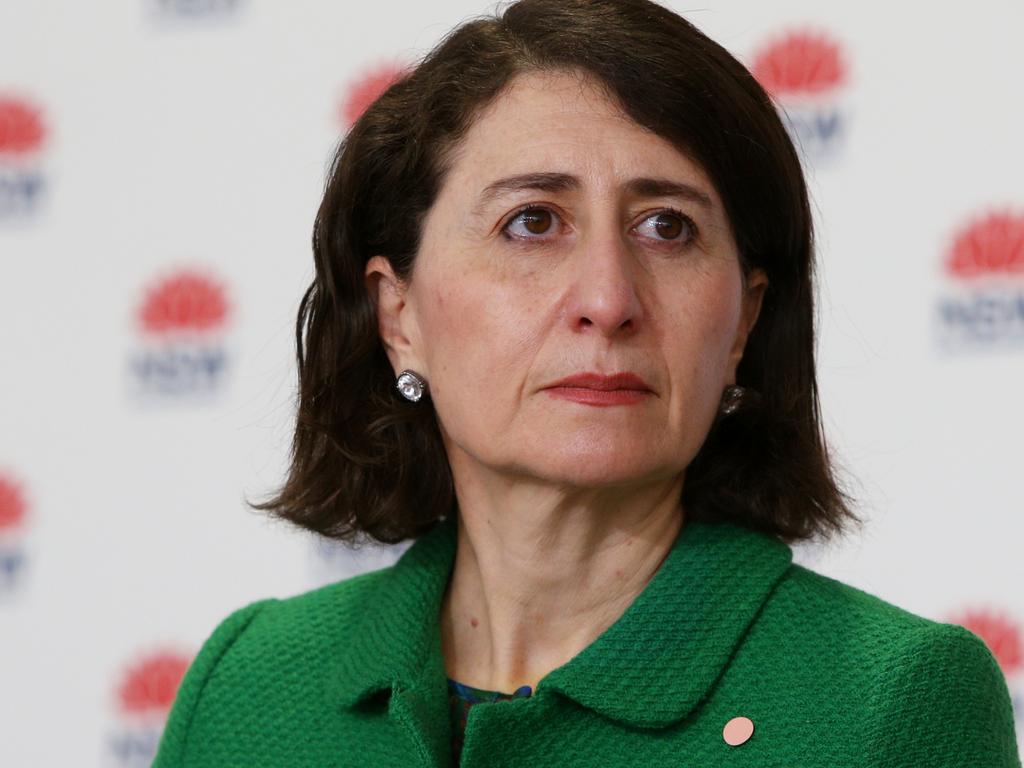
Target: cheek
700, 338
479, 340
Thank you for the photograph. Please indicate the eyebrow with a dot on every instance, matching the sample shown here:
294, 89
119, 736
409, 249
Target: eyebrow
562, 182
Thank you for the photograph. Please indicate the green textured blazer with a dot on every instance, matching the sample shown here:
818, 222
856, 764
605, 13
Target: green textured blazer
352, 674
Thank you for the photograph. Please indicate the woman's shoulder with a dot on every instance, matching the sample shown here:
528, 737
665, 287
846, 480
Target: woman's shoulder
826, 646
850, 619
294, 632
268, 655
815, 599
315, 616
837, 600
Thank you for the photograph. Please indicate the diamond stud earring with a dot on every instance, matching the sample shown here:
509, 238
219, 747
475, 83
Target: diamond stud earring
731, 399
411, 385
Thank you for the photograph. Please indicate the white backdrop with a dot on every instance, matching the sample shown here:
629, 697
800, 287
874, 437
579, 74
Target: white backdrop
160, 167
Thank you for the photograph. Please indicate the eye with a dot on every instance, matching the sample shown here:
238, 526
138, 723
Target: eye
668, 224
536, 220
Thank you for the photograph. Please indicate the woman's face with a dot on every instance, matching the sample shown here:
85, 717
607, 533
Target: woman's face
599, 275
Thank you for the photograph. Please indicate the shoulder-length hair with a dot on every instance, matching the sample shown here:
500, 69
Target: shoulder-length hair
366, 462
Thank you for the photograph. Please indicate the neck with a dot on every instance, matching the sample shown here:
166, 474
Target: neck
540, 573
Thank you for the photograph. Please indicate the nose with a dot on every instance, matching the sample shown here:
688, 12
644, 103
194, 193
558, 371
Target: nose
604, 296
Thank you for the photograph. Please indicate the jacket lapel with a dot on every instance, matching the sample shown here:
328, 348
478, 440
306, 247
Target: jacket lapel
394, 644
657, 662
652, 667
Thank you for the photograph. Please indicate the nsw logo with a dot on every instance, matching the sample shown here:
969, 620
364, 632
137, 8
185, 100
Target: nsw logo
22, 138
805, 73
143, 700
181, 323
13, 523
981, 305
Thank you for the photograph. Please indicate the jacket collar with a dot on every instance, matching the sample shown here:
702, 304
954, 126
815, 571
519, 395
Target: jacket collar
649, 669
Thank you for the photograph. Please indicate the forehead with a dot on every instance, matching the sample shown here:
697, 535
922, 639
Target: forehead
564, 122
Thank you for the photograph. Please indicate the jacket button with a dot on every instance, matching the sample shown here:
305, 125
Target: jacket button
737, 731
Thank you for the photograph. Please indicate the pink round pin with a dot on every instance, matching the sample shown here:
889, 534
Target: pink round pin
737, 731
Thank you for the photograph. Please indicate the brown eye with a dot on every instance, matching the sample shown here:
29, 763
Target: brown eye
535, 221
669, 227
673, 226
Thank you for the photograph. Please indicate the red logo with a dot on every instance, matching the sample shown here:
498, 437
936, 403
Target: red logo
21, 127
990, 245
364, 91
1001, 635
12, 506
150, 685
181, 320
185, 301
800, 64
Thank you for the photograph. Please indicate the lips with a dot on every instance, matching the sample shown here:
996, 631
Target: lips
603, 383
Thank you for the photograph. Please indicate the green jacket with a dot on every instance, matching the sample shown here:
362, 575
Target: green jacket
352, 674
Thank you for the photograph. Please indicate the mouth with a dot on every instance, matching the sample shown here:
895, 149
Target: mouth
619, 381
595, 389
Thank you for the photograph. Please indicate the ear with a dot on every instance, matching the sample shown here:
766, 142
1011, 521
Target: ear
395, 315
757, 283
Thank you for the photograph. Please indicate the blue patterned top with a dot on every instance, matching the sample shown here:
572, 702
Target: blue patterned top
461, 697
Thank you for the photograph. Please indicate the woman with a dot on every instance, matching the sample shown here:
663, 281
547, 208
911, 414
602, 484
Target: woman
561, 334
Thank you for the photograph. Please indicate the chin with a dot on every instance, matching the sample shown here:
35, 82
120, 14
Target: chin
595, 470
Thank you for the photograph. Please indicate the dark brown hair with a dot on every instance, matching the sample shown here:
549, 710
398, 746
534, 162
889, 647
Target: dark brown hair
367, 463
